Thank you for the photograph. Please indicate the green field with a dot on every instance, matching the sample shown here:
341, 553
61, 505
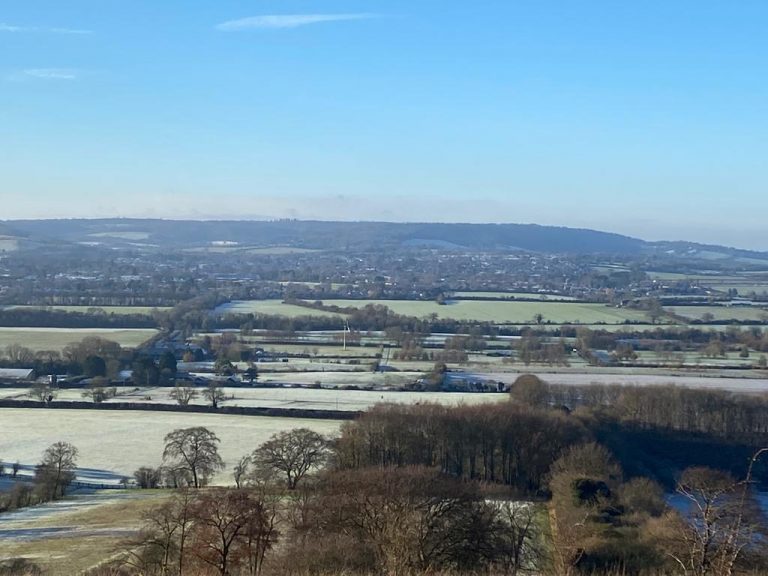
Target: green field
120, 310
492, 311
511, 296
703, 278
57, 338
721, 313
743, 288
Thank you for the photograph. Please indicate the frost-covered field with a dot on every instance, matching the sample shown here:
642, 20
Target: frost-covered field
306, 398
352, 400
627, 378
122, 441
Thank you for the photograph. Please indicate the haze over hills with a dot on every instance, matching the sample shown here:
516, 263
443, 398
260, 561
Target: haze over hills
325, 235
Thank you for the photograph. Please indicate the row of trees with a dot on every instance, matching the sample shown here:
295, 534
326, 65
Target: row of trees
721, 414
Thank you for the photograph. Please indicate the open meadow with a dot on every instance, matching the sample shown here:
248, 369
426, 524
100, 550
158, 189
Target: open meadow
499, 312
57, 338
122, 441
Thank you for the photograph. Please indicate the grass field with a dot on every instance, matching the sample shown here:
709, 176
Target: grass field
315, 399
742, 288
122, 441
721, 313
271, 307
511, 295
73, 535
492, 311
57, 338
119, 310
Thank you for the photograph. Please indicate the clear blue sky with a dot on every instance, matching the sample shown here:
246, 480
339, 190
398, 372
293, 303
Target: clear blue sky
648, 118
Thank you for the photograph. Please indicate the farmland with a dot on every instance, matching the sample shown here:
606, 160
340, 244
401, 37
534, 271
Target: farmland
119, 310
120, 442
57, 338
510, 296
284, 398
721, 313
500, 312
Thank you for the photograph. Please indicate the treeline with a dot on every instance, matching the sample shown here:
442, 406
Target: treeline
372, 317
516, 443
502, 443
725, 415
92, 318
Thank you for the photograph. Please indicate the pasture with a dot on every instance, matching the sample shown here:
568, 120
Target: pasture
270, 307
511, 296
721, 313
57, 338
499, 312
117, 310
122, 441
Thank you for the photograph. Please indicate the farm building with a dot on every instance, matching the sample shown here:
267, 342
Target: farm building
12, 375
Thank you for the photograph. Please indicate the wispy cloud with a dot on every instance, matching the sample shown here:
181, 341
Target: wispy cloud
51, 73
4, 27
287, 21
75, 31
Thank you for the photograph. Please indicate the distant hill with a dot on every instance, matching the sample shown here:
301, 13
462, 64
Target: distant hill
315, 235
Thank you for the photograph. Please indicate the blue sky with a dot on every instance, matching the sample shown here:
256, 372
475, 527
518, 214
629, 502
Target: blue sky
647, 118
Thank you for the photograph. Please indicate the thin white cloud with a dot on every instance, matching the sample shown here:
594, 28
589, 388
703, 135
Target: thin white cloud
51, 73
278, 21
4, 27
74, 31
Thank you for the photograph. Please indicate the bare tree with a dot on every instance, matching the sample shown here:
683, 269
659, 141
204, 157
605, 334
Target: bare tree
19, 355
183, 394
160, 546
240, 471
515, 536
194, 450
57, 469
222, 519
214, 394
292, 454
43, 391
720, 521
414, 519
147, 478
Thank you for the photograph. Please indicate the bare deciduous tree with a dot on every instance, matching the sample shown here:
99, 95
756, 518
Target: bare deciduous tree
214, 394
183, 394
57, 469
292, 454
194, 450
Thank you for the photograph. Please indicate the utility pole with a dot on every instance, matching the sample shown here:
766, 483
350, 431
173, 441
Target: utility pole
346, 329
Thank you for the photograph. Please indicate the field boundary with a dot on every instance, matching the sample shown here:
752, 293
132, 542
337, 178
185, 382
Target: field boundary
307, 413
